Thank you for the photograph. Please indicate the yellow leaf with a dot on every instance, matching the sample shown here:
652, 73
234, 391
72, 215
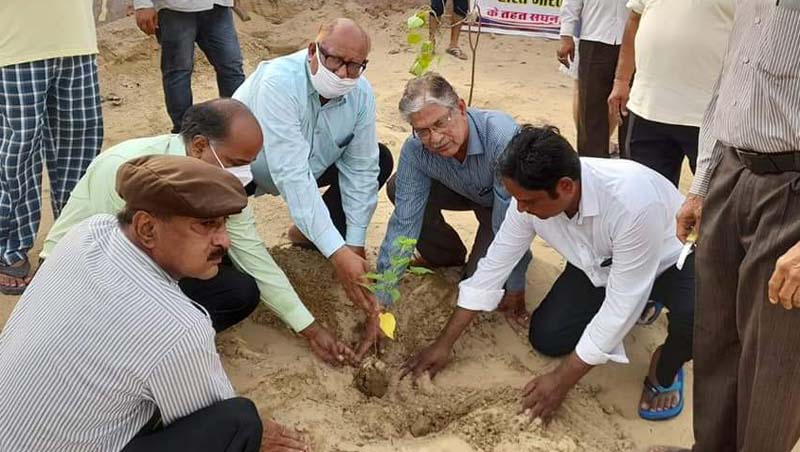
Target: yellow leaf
387, 324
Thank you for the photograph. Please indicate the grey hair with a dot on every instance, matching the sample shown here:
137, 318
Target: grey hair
429, 88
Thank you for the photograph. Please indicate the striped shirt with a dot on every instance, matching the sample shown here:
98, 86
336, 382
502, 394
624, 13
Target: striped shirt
101, 338
474, 179
756, 103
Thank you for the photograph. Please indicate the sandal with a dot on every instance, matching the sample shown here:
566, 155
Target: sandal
18, 272
655, 390
650, 313
457, 52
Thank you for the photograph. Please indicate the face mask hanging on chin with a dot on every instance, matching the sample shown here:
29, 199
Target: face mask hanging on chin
328, 84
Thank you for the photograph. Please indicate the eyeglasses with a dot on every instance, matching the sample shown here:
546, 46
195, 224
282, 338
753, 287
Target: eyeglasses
439, 126
334, 63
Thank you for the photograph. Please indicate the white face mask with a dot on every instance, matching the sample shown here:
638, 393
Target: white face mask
243, 172
328, 84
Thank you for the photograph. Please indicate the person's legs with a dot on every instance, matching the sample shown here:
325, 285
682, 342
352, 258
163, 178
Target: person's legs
333, 195
674, 289
438, 243
177, 32
559, 321
228, 297
435, 19
768, 403
596, 68
232, 425
460, 10
216, 36
688, 139
483, 238
75, 124
651, 144
23, 94
716, 340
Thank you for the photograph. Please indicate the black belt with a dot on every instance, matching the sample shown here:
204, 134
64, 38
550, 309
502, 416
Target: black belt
760, 163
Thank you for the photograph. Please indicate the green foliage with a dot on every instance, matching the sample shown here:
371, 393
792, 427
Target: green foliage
385, 284
424, 47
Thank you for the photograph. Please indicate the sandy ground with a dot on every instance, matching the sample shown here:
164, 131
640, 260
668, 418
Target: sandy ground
472, 405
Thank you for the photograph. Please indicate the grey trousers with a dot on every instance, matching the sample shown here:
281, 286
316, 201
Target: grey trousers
746, 391
438, 242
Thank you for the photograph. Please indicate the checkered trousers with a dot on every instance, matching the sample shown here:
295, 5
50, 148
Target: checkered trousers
49, 114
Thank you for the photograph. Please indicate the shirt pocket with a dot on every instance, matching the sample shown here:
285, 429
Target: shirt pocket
778, 53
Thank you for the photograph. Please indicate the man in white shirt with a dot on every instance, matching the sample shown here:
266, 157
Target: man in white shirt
676, 49
613, 221
599, 25
105, 352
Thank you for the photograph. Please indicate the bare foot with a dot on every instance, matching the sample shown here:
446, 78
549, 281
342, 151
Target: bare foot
13, 285
658, 402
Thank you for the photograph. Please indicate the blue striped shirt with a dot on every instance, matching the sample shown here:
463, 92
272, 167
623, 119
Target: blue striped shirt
475, 179
102, 337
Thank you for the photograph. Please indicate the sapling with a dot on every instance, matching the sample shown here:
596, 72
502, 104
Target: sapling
384, 284
424, 47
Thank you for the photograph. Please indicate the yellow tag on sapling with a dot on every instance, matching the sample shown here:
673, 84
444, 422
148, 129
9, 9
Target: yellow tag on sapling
387, 324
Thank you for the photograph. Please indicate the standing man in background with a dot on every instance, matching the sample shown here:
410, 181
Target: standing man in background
178, 24
678, 47
49, 114
599, 25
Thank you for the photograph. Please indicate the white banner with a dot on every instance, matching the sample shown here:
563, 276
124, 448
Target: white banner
539, 18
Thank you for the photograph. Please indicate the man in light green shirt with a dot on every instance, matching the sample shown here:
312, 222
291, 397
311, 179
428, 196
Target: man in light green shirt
224, 133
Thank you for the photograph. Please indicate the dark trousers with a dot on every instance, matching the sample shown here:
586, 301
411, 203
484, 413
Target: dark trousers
333, 195
215, 34
228, 297
232, 425
662, 147
438, 242
596, 67
746, 395
559, 321
460, 7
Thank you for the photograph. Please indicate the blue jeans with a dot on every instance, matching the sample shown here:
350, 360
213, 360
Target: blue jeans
215, 34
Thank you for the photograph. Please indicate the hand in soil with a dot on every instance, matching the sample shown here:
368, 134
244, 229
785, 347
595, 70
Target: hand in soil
277, 438
513, 308
370, 336
543, 395
327, 347
350, 269
432, 359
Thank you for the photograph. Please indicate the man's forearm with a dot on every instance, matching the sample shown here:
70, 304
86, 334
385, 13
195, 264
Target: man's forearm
456, 326
572, 369
626, 64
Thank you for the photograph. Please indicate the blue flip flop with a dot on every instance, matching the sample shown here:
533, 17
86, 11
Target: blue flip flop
650, 313
654, 390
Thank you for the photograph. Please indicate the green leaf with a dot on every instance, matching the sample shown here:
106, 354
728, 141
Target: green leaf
416, 69
403, 241
374, 276
426, 48
420, 271
398, 261
371, 287
414, 22
413, 38
390, 278
423, 15
395, 294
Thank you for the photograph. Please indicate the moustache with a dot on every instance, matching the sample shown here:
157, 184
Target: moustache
217, 254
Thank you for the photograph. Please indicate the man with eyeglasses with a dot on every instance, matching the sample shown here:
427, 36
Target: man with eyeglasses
317, 112
448, 164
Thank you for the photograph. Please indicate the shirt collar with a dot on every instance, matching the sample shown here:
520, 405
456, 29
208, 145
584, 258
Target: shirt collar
474, 143
176, 145
589, 205
146, 262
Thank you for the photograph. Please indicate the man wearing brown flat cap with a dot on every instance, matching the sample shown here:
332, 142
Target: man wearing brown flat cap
131, 361
224, 133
